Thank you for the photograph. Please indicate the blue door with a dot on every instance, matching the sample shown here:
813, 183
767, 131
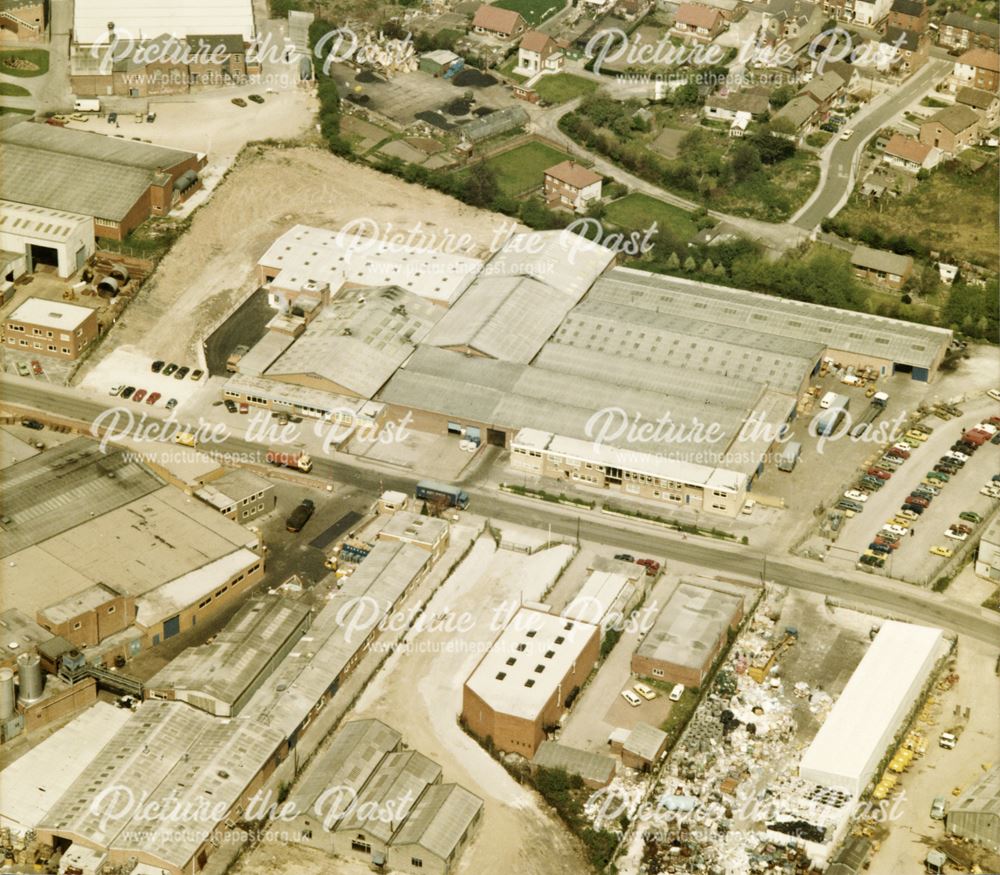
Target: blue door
171, 627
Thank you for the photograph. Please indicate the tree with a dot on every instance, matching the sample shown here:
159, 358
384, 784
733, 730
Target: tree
708, 267
481, 186
745, 162
690, 265
674, 261
781, 95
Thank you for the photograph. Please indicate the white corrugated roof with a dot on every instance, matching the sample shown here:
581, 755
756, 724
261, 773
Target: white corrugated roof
146, 19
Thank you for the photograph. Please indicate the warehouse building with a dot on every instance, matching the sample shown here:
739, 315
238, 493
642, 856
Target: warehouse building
988, 553
976, 814
528, 678
117, 183
606, 598
688, 634
429, 533
222, 676
438, 829
872, 708
596, 770
53, 328
239, 495
130, 562
43, 236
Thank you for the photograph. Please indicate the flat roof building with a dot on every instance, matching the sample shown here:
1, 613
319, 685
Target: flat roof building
872, 707
144, 19
521, 684
239, 495
429, 533
53, 328
687, 635
605, 599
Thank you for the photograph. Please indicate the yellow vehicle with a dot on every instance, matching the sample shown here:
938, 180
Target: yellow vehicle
944, 552
185, 439
900, 521
869, 391
915, 435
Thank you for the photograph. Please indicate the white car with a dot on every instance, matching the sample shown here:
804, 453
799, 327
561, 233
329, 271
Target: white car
847, 133
994, 394
855, 495
631, 698
990, 491
987, 427
955, 536
896, 530
115, 390
677, 692
955, 454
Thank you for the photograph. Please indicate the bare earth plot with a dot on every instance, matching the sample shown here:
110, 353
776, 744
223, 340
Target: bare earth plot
267, 192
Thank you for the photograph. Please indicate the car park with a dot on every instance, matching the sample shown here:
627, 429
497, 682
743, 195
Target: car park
169, 369
943, 552
970, 516
631, 698
153, 397
182, 373
157, 366
139, 395
128, 392
644, 691
171, 404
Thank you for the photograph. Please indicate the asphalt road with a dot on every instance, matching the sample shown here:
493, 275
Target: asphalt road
881, 595
836, 184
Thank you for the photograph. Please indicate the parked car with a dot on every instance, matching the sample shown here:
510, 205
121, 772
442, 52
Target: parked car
971, 516
169, 369
916, 435
676, 693
918, 500
962, 527
915, 508
300, 516
848, 504
139, 395
995, 439
238, 101
128, 392
939, 476
256, 98
631, 698
36, 366
157, 366
182, 373
908, 514
33, 424
644, 691
625, 557
943, 552
956, 536
153, 397
894, 529
854, 495
881, 473
244, 407
651, 565
197, 374
115, 390
882, 549
230, 405
171, 404
23, 369
938, 808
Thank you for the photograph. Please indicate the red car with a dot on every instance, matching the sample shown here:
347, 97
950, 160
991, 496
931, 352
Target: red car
880, 473
882, 542
36, 366
898, 454
139, 395
651, 565
153, 398
917, 500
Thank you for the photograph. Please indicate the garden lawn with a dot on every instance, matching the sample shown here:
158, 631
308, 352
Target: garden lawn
563, 87
533, 11
521, 169
9, 89
38, 57
639, 211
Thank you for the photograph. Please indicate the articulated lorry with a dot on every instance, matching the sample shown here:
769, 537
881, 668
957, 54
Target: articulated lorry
299, 461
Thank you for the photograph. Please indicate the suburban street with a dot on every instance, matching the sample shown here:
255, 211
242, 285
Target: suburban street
880, 595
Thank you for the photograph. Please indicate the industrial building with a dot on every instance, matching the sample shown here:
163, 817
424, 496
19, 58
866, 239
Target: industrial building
870, 711
688, 634
976, 814
988, 553
42, 236
596, 770
239, 495
222, 676
607, 598
117, 183
129, 561
528, 678
429, 533
54, 328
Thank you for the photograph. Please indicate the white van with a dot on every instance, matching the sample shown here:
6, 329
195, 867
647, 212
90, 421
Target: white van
631, 698
827, 400
87, 105
677, 692
947, 741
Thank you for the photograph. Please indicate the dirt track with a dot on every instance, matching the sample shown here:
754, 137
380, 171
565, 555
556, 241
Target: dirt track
267, 192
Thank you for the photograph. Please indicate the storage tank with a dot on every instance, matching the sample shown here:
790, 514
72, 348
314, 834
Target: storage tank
6, 694
29, 676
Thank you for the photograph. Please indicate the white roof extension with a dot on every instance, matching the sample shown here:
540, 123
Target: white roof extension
145, 19
866, 716
51, 314
543, 648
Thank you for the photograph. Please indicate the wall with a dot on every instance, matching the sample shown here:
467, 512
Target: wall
70, 701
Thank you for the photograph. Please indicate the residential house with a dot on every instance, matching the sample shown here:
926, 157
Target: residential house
844, 69
871, 13
572, 185
951, 129
977, 68
881, 268
909, 15
825, 90
797, 114
493, 21
960, 31
986, 103
697, 23
538, 52
740, 124
725, 107
901, 52
792, 22
909, 154
22, 20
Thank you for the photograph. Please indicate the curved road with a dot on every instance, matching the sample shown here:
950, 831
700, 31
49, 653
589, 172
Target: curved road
881, 595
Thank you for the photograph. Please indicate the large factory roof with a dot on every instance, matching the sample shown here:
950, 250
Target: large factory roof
144, 19
689, 626
440, 819
903, 342
359, 340
79, 172
346, 764
244, 651
528, 660
305, 254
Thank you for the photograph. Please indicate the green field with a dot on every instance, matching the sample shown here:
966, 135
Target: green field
533, 11
520, 169
9, 89
639, 211
13, 110
563, 87
38, 57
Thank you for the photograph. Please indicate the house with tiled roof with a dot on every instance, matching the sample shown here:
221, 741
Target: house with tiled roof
951, 129
960, 31
976, 68
909, 154
501, 23
572, 185
986, 103
538, 52
697, 23
908, 15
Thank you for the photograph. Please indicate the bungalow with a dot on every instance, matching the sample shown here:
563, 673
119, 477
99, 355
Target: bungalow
538, 52
977, 68
493, 21
960, 31
910, 155
986, 103
698, 23
572, 185
725, 107
909, 15
881, 268
951, 129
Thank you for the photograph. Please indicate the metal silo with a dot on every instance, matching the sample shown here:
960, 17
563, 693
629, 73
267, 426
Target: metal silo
29, 676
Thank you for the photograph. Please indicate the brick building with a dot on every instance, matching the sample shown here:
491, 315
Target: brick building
51, 328
22, 20
951, 129
572, 185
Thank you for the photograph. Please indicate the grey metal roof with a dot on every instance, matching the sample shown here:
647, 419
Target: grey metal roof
862, 333
398, 782
589, 766
440, 819
645, 741
359, 341
348, 761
